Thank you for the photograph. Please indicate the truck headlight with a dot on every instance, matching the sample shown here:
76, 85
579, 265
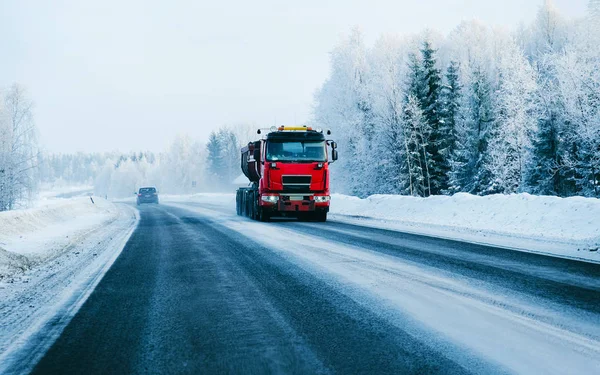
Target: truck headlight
270, 198
322, 198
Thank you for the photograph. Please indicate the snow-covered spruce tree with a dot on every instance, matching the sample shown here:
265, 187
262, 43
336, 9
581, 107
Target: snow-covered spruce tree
470, 44
464, 158
484, 121
450, 99
515, 119
543, 175
431, 104
18, 150
413, 120
416, 134
472, 135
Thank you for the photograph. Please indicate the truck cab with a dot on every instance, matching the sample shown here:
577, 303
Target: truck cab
289, 174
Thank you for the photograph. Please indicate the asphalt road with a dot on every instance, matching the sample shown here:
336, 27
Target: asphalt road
189, 294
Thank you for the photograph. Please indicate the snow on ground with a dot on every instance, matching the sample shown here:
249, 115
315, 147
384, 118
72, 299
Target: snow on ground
51, 258
568, 227
32, 236
559, 226
49, 192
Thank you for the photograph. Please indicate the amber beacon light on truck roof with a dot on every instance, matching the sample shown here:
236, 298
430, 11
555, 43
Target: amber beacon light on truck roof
296, 128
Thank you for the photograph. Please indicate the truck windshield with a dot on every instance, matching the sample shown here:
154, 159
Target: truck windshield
296, 151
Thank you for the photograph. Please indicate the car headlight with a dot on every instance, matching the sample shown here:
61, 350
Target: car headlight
270, 198
322, 198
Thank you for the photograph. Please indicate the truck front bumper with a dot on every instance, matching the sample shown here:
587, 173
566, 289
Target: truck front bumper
287, 205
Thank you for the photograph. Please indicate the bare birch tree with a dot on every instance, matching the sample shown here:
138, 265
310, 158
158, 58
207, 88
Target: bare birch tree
18, 149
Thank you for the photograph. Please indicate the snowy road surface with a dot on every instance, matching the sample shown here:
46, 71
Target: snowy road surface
200, 290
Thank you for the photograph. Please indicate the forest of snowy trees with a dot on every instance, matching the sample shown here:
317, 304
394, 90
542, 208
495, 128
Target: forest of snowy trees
482, 110
188, 166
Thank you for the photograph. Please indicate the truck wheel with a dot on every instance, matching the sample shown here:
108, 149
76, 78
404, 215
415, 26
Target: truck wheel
255, 207
247, 206
321, 217
263, 215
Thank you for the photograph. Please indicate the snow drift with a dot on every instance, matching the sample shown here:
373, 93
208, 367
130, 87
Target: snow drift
32, 236
573, 221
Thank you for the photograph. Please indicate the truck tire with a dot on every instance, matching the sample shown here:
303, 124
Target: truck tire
263, 215
241, 204
254, 214
321, 217
247, 205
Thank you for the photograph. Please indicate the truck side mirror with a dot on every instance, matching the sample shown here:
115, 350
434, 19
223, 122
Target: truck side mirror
333, 145
334, 155
257, 154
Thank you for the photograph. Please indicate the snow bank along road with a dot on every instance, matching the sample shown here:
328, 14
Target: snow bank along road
200, 290
51, 258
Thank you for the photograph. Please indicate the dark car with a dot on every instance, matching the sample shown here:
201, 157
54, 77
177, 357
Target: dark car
147, 195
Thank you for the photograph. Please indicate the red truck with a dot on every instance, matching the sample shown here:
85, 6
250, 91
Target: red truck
289, 175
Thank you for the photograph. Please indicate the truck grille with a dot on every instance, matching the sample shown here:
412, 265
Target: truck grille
296, 183
305, 180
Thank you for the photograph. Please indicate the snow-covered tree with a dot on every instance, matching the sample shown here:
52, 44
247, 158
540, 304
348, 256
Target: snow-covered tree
388, 149
512, 112
417, 132
432, 107
344, 106
215, 161
548, 35
18, 149
594, 10
231, 155
450, 104
578, 72
515, 119
471, 46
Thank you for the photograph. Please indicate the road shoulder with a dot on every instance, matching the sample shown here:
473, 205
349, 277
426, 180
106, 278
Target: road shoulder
38, 303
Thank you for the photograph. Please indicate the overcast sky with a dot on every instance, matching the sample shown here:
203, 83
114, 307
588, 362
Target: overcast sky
129, 75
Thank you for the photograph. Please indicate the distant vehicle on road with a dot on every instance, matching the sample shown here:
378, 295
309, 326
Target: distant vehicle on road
147, 195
